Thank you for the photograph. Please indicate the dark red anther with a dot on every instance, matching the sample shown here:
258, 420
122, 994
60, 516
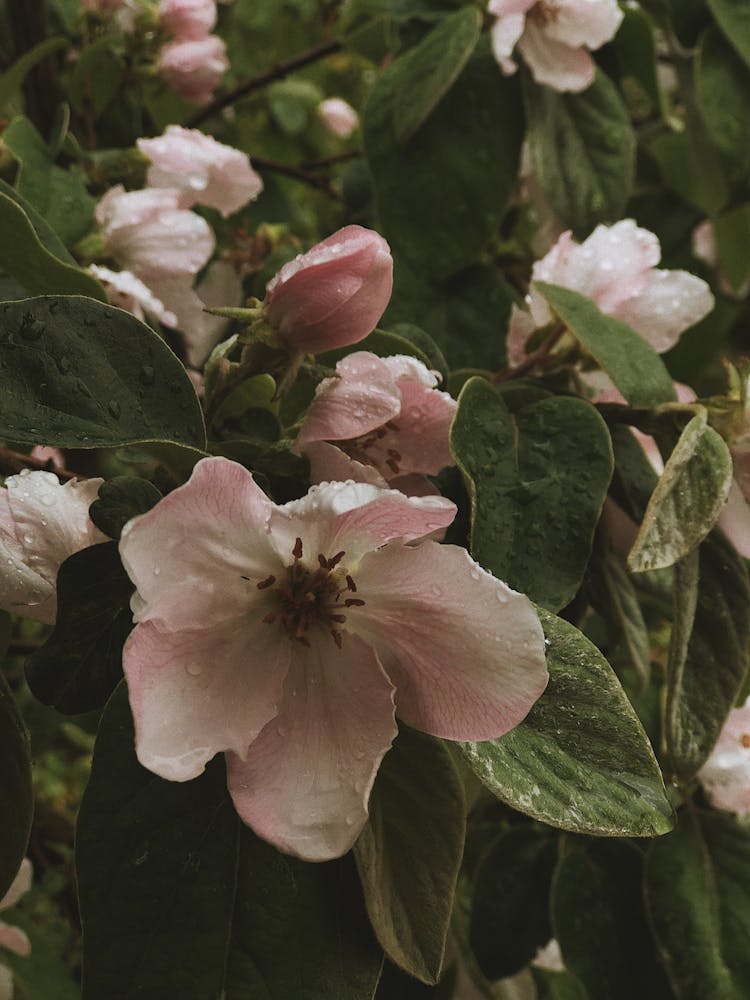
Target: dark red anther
297, 550
268, 582
334, 560
337, 638
353, 602
351, 584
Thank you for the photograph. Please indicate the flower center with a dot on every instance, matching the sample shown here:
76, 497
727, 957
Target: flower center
544, 12
308, 597
371, 449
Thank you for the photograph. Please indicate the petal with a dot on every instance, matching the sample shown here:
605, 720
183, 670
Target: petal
197, 556
585, 22
197, 692
306, 781
557, 65
14, 939
127, 292
505, 8
6, 983
520, 329
734, 520
465, 652
420, 433
505, 34
19, 886
670, 303
330, 464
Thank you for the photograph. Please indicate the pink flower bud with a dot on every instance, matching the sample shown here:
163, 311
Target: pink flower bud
187, 18
193, 68
338, 117
334, 294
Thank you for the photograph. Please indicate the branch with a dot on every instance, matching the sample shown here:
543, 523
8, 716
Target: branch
297, 174
12, 462
540, 354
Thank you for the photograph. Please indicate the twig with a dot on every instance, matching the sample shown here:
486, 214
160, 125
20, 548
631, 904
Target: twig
297, 174
12, 462
277, 72
332, 161
536, 356
24, 647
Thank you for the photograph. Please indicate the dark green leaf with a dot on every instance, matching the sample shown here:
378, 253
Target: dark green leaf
614, 597
80, 664
300, 930
580, 759
635, 50
156, 863
97, 76
733, 17
537, 481
687, 500
732, 244
16, 802
722, 85
510, 913
409, 854
634, 479
440, 220
631, 363
430, 69
690, 165
79, 374
583, 151
11, 80
119, 500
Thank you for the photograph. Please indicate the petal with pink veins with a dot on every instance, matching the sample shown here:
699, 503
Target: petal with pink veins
465, 652
330, 464
306, 781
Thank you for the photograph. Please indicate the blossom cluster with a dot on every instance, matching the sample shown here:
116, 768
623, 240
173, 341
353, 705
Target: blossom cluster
194, 61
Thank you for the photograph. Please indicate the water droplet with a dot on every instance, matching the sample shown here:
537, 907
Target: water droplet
194, 669
114, 408
147, 375
157, 571
31, 328
83, 388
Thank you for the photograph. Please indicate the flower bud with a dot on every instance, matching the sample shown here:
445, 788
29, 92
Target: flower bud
334, 294
193, 68
186, 19
338, 116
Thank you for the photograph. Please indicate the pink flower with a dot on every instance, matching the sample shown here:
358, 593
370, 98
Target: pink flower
204, 171
338, 116
43, 453
726, 774
334, 294
554, 37
187, 18
704, 248
41, 523
616, 268
127, 292
13, 938
149, 234
289, 636
387, 418
194, 68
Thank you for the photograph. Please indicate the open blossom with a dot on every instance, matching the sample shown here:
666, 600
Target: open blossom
149, 234
703, 243
41, 523
555, 37
194, 67
290, 636
204, 171
726, 774
187, 18
334, 294
127, 292
13, 938
616, 268
386, 418
338, 116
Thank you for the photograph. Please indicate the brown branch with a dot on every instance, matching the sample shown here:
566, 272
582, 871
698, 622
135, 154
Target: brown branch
332, 161
297, 174
12, 462
277, 72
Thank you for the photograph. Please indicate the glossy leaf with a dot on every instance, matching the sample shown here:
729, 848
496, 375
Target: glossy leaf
631, 363
16, 801
79, 374
408, 855
80, 664
580, 759
733, 17
121, 499
617, 601
722, 82
11, 79
687, 500
537, 481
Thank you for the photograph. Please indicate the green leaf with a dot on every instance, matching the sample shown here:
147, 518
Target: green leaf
80, 664
733, 247
537, 481
690, 165
96, 78
440, 220
722, 84
600, 922
16, 801
631, 363
634, 480
583, 151
79, 374
616, 600
687, 500
634, 47
557, 986
59, 195
156, 863
300, 930
708, 655
121, 499
432, 67
580, 759
733, 17
409, 854
31, 256
698, 895
510, 912
11, 80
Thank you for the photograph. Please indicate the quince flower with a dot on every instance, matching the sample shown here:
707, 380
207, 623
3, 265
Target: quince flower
127, 292
42, 522
616, 268
555, 37
289, 637
187, 18
388, 421
204, 171
338, 116
13, 938
726, 774
334, 294
194, 67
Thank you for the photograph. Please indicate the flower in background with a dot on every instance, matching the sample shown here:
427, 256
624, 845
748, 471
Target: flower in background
616, 268
289, 637
726, 774
705, 249
338, 116
194, 67
13, 938
555, 37
127, 292
204, 171
187, 18
378, 420
334, 294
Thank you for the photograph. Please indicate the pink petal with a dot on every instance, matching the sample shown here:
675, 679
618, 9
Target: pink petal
506, 8
19, 886
421, 437
726, 774
187, 18
330, 464
505, 34
734, 520
197, 692
557, 65
670, 303
194, 67
338, 116
197, 556
127, 292
585, 22
522, 325
14, 939
465, 652
307, 778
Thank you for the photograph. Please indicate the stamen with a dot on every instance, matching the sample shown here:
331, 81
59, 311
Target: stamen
351, 584
334, 560
264, 584
338, 618
337, 638
393, 466
297, 550
323, 561
353, 602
